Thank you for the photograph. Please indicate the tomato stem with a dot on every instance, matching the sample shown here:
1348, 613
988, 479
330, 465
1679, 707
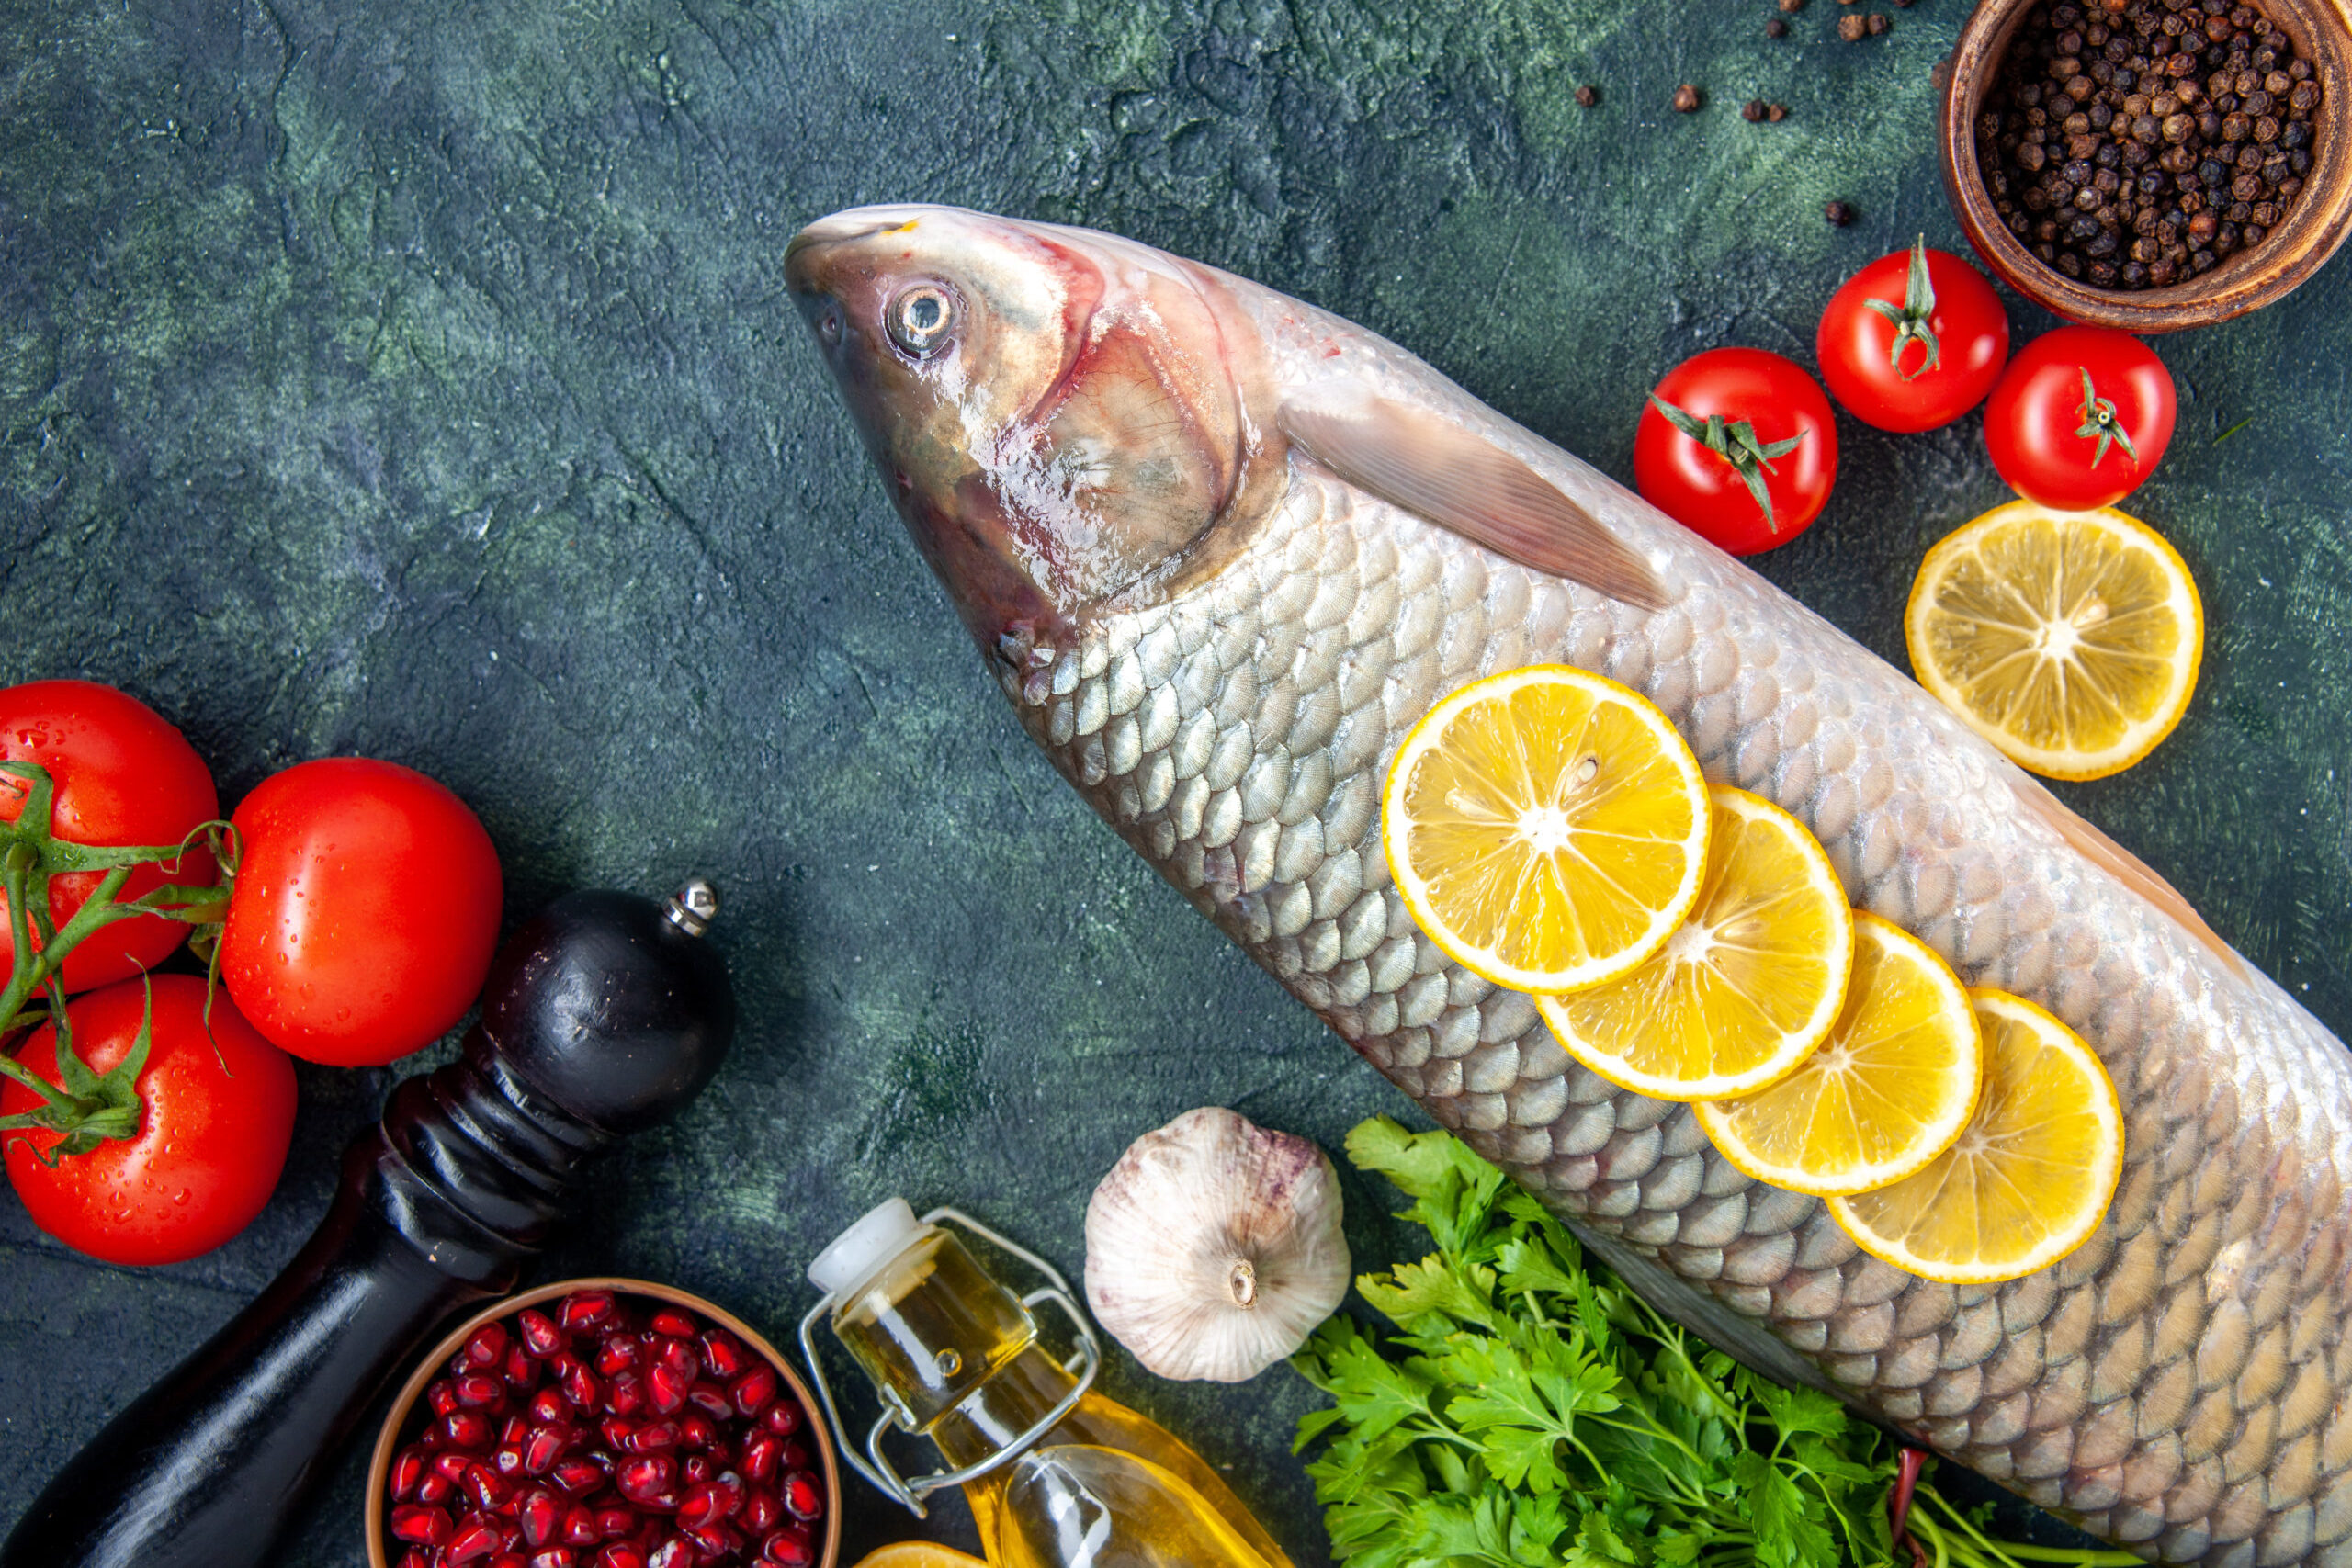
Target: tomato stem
2098, 419
1911, 317
1735, 444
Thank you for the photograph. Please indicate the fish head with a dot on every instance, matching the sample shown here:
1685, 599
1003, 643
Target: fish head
1056, 413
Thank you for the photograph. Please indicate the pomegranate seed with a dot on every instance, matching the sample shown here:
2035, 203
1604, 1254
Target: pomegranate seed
549, 1406
513, 1430
421, 1526
408, 1469
760, 1510
709, 1397
544, 1446
794, 1456
580, 1525
714, 1502
664, 1390
676, 1553
618, 1350
538, 1515
522, 1371
434, 1489
697, 1433
416, 1557
618, 1556
723, 1355
650, 1481
760, 1451
508, 1560
508, 1460
800, 1497
442, 1396
715, 1541
586, 1310
480, 1391
615, 1523
696, 1469
467, 1430
488, 1346
624, 1395
754, 1392
680, 1356
476, 1538
578, 1476
652, 1437
672, 1322
451, 1466
554, 1557
541, 1337
580, 1384
490, 1489
789, 1548
783, 1418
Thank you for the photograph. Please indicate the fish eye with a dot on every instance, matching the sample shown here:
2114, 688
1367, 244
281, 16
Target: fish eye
920, 317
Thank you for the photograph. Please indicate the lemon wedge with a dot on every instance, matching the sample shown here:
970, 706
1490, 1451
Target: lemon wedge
1748, 985
1885, 1093
917, 1554
1546, 827
2028, 1180
2070, 640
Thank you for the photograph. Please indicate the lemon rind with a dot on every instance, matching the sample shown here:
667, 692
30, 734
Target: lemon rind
1413, 888
2050, 1252
1614, 1070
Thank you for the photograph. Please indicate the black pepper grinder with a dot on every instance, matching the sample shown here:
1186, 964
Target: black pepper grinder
601, 1017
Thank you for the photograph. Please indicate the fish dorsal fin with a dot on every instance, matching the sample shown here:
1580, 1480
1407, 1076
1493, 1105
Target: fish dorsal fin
2125, 866
1422, 461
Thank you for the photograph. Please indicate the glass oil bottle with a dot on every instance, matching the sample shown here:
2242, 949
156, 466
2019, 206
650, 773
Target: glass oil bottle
1057, 1476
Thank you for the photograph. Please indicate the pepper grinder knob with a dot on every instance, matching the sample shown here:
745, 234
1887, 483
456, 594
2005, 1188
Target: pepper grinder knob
603, 1016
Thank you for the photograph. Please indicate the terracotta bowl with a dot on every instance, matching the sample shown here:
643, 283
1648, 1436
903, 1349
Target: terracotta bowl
2241, 282
389, 1442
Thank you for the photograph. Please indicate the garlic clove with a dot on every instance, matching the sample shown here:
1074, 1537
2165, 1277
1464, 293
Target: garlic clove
1213, 1247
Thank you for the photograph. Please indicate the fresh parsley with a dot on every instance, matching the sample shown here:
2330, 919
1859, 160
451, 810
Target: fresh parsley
1529, 1410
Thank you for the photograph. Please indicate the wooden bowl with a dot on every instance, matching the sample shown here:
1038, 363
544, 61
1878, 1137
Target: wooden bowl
389, 1442
2244, 281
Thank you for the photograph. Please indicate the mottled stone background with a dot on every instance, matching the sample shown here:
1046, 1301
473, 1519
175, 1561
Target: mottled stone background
417, 381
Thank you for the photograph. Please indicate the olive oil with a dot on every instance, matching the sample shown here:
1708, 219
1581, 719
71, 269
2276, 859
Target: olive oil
955, 1355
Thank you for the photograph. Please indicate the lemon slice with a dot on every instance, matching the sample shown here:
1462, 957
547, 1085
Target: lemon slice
1547, 827
1888, 1091
917, 1554
2031, 1175
2068, 639
1748, 986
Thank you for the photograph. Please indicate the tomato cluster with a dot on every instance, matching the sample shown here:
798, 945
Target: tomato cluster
349, 906
1739, 444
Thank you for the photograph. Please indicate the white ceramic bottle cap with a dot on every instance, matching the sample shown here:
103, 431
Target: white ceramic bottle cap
858, 1251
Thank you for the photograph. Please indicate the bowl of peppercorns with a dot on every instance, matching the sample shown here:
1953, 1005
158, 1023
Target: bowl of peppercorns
603, 1424
2151, 165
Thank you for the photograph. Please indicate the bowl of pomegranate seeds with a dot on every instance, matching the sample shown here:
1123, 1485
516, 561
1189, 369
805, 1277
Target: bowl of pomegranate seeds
603, 1424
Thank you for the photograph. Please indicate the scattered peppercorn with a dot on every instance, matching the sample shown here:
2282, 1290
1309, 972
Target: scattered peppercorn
1791, 5
1686, 98
1588, 95
2135, 143
1853, 28
1838, 213
1775, 28
1776, 113
1879, 21
1752, 110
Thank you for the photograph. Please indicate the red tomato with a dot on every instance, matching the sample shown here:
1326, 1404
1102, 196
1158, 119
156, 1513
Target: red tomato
1702, 488
2071, 448
209, 1145
1955, 339
123, 776
365, 911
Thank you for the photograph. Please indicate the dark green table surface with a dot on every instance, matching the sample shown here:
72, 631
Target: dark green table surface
418, 380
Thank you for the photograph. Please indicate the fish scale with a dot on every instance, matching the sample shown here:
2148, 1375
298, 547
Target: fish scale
2177, 1384
2171, 1385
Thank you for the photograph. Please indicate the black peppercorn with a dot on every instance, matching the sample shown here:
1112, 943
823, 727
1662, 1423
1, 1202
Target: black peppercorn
1588, 95
1838, 213
1686, 98
1775, 28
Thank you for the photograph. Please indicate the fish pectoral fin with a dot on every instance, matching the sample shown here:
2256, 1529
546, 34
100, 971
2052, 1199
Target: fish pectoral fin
2123, 865
1421, 461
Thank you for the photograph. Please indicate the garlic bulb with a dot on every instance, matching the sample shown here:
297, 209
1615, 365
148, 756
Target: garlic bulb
1212, 1248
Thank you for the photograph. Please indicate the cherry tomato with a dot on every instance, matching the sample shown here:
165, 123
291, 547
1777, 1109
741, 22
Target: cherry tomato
212, 1138
365, 911
2080, 418
1913, 340
1738, 411
123, 776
